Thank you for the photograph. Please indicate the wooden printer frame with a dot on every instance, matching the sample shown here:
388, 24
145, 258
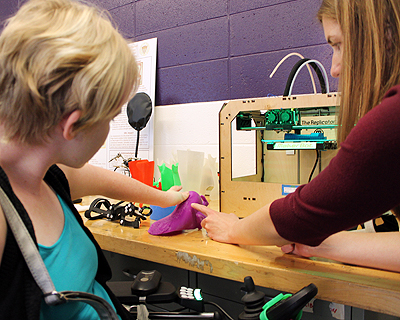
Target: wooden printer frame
244, 195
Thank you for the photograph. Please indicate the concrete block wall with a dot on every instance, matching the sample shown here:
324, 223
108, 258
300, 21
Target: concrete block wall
219, 49
212, 51
223, 49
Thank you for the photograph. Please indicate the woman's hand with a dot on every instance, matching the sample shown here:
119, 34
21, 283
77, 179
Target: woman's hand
324, 250
175, 197
255, 229
298, 249
217, 224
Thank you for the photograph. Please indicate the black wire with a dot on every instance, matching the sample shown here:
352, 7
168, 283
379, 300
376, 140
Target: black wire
219, 308
263, 158
137, 144
315, 164
154, 308
297, 65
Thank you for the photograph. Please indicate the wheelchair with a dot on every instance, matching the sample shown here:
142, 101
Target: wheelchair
147, 289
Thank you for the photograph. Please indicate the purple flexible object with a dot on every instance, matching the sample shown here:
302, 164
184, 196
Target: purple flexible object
182, 218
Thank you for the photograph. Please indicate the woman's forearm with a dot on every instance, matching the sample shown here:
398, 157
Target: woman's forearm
376, 250
257, 229
92, 180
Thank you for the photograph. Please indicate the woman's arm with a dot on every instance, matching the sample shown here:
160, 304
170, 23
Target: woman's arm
376, 250
256, 229
92, 180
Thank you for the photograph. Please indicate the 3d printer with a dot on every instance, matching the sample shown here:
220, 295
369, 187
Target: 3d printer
269, 146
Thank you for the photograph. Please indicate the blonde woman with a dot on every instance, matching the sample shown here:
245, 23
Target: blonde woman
361, 182
65, 72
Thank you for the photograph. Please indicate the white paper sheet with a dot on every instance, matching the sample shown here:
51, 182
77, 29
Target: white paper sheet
122, 137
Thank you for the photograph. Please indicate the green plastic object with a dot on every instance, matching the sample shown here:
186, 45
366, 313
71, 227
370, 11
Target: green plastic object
175, 173
156, 184
272, 302
169, 177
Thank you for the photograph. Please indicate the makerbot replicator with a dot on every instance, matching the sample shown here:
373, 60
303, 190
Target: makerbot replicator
269, 146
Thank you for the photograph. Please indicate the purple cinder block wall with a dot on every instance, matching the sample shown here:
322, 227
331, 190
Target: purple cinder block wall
220, 49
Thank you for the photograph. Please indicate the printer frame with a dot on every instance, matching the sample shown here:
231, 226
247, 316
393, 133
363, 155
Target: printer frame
244, 195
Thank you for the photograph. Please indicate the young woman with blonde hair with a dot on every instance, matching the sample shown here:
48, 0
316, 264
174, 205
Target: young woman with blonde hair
361, 182
65, 73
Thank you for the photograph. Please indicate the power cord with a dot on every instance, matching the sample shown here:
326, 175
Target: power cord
219, 308
318, 159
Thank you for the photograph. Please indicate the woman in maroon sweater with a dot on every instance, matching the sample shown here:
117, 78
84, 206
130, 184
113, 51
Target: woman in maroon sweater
362, 181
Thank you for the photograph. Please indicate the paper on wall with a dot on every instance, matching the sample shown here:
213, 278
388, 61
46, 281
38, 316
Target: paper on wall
122, 137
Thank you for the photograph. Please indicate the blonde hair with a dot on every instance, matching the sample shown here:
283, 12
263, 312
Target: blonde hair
371, 30
57, 56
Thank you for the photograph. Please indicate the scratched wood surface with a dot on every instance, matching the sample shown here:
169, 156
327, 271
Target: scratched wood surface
364, 288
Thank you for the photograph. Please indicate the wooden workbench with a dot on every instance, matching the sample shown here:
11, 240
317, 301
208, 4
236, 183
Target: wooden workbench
364, 288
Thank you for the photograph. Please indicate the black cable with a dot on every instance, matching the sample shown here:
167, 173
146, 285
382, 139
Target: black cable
155, 308
315, 164
137, 145
294, 70
219, 308
262, 158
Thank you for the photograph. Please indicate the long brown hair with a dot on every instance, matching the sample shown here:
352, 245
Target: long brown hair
371, 54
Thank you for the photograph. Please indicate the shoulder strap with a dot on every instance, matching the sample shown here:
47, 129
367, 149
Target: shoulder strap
38, 269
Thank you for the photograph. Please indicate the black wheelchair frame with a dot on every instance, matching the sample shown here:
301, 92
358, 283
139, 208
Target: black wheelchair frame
147, 289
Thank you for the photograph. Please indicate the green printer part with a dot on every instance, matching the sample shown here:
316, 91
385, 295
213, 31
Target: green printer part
288, 120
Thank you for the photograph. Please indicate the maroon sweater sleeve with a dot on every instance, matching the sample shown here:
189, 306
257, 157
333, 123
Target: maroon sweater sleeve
360, 183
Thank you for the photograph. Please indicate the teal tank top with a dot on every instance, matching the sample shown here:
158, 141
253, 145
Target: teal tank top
72, 264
